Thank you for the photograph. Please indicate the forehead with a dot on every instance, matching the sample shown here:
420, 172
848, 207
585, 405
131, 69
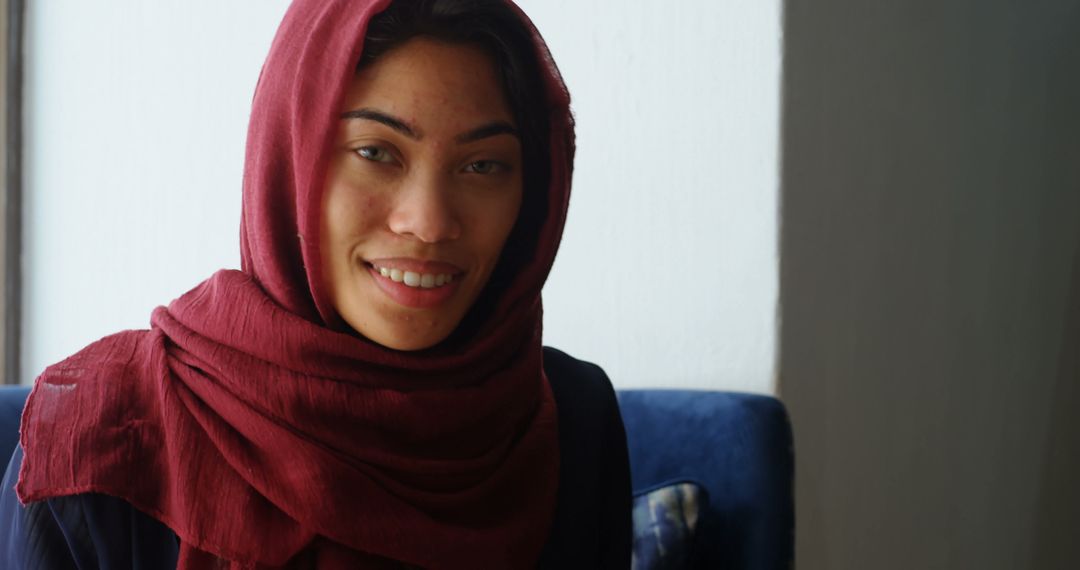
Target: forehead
425, 78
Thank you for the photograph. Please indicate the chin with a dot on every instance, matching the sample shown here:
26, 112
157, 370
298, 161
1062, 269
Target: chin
410, 335
408, 344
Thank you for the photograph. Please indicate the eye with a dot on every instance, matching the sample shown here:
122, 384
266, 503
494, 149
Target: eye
375, 154
485, 167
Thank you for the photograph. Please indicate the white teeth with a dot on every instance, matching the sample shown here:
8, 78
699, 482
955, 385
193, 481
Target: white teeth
414, 279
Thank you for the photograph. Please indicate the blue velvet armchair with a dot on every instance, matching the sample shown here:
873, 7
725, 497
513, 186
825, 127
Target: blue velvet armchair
737, 448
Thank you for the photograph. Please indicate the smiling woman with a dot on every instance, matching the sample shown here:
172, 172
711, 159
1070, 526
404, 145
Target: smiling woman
370, 390
416, 211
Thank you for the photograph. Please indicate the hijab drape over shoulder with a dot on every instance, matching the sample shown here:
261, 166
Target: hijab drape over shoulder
261, 430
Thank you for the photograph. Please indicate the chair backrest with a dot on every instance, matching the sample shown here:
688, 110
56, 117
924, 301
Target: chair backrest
739, 448
12, 399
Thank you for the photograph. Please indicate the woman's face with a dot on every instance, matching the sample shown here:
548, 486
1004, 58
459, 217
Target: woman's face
423, 188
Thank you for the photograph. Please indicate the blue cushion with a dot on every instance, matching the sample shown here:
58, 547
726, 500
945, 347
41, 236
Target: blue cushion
739, 448
12, 399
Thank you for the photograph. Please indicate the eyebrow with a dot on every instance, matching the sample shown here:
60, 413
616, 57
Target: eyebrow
382, 118
491, 129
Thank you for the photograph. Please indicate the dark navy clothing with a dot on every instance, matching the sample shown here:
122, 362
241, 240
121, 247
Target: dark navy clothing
592, 526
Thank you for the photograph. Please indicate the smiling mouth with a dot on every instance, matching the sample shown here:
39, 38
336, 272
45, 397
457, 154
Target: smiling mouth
413, 278
416, 283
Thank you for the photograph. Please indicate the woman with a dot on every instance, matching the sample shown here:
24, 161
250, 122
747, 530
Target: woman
370, 390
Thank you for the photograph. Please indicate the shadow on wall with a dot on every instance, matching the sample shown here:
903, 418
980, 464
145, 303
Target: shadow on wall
930, 232
1057, 515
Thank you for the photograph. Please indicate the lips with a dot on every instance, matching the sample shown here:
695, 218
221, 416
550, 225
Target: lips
414, 279
413, 283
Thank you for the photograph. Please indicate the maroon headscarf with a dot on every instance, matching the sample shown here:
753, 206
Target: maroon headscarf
250, 423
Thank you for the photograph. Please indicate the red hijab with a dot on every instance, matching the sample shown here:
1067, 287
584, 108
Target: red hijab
259, 431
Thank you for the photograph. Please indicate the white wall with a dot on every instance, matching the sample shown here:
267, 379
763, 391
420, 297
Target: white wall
668, 271
135, 120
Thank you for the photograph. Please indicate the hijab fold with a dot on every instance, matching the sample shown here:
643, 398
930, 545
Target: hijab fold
263, 432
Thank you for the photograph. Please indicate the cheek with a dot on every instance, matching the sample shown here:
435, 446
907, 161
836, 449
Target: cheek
349, 214
494, 220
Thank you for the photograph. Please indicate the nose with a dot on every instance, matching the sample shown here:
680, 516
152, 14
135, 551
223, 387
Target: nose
424, 210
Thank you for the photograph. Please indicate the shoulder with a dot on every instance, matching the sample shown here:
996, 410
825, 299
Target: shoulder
100, 403
585, 398
79, 531
576, 381
592, 515
29, 534
97, 375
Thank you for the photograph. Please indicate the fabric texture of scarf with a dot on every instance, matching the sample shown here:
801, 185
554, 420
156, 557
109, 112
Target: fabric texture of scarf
264, 433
